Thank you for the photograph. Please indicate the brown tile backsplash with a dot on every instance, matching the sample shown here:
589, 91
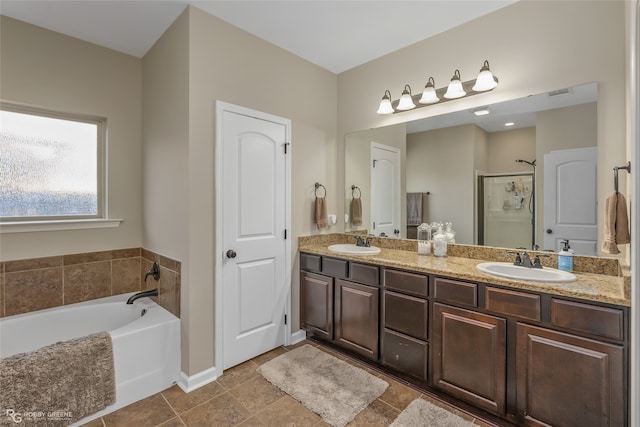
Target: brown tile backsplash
37, 283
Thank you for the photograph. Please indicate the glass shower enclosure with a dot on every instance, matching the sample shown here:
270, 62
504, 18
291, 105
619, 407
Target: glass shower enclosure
506, 210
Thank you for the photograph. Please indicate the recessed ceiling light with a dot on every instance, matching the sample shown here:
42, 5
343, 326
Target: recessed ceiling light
481, 111
509, 124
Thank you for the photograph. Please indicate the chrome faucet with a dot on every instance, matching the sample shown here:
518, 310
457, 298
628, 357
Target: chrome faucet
366, 242
523, 259
149, 293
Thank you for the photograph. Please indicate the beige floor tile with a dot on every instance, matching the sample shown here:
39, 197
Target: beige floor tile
238, 374
173, 422
221, 411
256, 394
181, 401
397, 394
253, 422
149, 412
288, 412
377, 414
269, 355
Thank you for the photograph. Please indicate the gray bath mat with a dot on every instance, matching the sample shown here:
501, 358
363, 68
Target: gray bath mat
330, 387
421, 413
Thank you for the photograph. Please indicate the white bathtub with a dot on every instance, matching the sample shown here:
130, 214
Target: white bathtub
146, 348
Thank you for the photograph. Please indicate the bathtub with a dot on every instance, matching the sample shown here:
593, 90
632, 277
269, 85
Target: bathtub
146, 341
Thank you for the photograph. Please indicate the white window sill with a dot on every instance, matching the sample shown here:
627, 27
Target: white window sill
58, 225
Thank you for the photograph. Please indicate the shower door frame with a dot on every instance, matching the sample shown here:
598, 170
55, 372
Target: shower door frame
479, 186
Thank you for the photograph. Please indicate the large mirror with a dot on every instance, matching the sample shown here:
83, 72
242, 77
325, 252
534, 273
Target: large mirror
522, 175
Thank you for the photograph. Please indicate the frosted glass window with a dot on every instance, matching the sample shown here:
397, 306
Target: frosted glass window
49, 166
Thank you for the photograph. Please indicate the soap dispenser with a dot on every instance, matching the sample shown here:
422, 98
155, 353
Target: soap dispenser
565, 257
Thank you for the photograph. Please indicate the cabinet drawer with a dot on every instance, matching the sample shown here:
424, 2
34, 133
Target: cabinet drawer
335, 267
512, 303
414, 284
456, 292
406, 314
311, 262
405, 354
592, 319
364, 273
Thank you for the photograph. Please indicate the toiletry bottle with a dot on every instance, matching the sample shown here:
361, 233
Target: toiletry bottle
565, 257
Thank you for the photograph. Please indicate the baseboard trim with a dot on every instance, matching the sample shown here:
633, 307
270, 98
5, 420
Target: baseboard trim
193, 382
298, 336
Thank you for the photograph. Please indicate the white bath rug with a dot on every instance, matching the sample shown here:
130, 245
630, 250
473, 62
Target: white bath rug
328, 386
421, 413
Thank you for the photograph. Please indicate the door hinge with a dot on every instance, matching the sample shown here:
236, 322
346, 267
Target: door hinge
285, 234
285, 319
286, 147
374, 163
374, 225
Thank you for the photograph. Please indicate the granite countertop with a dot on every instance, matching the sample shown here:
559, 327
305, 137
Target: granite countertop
604, 288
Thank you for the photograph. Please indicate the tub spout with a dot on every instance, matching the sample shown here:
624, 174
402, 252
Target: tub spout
149, 293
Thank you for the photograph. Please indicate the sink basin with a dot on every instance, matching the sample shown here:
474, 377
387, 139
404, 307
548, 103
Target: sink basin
351, 249
505, 269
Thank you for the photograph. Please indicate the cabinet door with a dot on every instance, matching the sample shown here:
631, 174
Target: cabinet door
469, 356
316, 304
357, 317
565, 380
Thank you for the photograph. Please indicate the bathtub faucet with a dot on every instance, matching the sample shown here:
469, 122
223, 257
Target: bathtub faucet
155, 272
149, 293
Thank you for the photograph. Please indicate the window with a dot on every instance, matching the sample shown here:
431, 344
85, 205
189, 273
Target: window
51, 165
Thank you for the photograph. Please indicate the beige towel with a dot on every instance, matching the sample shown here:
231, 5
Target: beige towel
356, 211
616, 223
320, 213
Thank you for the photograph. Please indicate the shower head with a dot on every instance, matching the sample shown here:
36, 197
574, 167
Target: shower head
533, 163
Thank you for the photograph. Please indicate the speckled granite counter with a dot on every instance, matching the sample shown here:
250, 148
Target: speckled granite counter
607, 287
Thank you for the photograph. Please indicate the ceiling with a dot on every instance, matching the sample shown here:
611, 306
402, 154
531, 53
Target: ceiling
336, 35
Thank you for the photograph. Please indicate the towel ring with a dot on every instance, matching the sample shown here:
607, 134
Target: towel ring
318, 185
353, 189
626, 167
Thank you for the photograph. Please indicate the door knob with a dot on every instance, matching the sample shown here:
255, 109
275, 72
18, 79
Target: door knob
231, 253
549, 231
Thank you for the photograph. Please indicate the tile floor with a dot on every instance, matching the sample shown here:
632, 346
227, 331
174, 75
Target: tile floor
241, 397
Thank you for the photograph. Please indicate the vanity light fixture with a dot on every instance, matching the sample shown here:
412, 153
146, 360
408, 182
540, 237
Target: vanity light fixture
385, 104
429, 95
485, 80
456, 89
406, 101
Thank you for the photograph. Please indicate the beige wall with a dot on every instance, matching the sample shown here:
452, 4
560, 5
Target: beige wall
216, 61
507, 146
533, 47
48, 70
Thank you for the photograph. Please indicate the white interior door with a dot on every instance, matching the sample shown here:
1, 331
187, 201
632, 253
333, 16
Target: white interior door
253, 249
385, 190
570, 200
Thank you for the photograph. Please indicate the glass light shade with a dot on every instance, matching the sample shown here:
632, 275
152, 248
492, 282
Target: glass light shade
406, 103
485, 80
385, 105
429, 94
455, 90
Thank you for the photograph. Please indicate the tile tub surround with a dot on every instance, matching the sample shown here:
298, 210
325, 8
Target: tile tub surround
597, 283
38, 283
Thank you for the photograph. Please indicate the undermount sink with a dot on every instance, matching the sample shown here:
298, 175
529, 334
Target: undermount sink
505, 269
351, 249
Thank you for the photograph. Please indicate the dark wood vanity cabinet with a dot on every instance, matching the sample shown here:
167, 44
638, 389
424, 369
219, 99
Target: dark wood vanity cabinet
469, 356
530, 357
356, 317
342, 304
316, 304
405, 322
